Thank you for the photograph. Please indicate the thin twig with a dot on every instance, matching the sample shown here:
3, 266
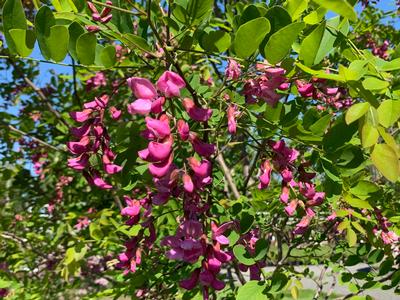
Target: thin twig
228, 176
46, 100
78, 100
12, 128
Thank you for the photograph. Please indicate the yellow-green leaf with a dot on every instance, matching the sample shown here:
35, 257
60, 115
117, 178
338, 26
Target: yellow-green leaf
351, 237
386, 161
356, 111
341, 7
389, 112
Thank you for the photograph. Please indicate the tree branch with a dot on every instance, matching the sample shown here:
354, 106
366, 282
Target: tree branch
228, 177
12, 128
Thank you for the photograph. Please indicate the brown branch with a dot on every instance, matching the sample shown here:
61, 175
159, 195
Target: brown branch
12, 128
228, 177
46, 100
169, 57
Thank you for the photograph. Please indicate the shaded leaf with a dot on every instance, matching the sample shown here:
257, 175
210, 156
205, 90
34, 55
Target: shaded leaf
250, 35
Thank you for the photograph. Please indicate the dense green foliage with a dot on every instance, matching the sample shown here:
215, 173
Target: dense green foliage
321, 77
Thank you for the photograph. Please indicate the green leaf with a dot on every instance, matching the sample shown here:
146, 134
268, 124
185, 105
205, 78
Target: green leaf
251, 12
328, 39
252, 290
369, 135
215, 41
57, 42
359, 228
280, 43
315, 16
341, 7
386, 161
86, 48
310, 46
343, 225
356, 111
364, 188
198, 9
386, 267
356, 70
374, 84
261, 249
320, 126
107, 56
13, 18
95, 231
376, 256
390, 65
351, 237
24, 41
75, 31
278, 282
321, 73
179, 13
278, 18
242, 255
246, 221
136, 41
44, 20
389, 112
250, 35
356, 202
296, 7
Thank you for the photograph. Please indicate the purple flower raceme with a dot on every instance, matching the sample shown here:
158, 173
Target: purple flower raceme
92, 140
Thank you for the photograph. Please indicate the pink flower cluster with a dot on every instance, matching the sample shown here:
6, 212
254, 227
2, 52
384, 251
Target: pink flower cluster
378, 50
62, 181
388, 237
317, 89
232, 71
92, 140
159, 153
249, 240
265, 86
38, 157
283, 159
137, 210
96, 81
104, 16
190, 243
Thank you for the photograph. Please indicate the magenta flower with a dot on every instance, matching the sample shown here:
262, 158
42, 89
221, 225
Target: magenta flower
265, 176
140, 106
161, 169
159, 128
200, 169
82, 223
79, 163
115, 113
232, 113
183, 129
170, 84
104, 16
217, 232
132, 209
80, 146
185, 244
201, 148
291, 208
142, 88
196, 113
187, 183
81, 116
232, 71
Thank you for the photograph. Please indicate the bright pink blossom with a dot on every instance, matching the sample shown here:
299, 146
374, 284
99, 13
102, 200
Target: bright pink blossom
170, 84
